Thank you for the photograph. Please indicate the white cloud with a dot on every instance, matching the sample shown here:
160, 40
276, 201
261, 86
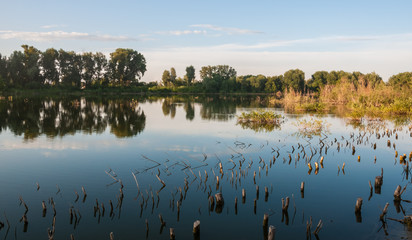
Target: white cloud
203, 30
230, 31
52, 26
183, 32
61, 35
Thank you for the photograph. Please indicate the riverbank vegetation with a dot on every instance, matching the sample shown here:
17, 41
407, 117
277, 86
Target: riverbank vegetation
60, 71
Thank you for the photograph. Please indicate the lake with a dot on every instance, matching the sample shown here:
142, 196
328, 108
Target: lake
121, 149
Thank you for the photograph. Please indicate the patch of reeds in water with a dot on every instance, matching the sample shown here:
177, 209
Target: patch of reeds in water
260, 120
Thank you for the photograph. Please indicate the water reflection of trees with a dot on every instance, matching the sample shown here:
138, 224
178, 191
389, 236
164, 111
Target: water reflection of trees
211, 108
67, 115
215, 107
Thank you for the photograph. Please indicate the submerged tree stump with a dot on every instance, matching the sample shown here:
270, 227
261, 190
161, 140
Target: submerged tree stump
358, 206
172, 234
196, 227
219, 202
378, 184
265, 220
271, 235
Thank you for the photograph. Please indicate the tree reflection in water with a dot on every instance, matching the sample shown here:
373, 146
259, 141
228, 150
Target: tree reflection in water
32, 117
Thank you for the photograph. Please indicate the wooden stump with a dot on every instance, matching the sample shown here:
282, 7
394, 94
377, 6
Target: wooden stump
397, 193
271, 235
257, 192
378, 184
265, 219
243, 195
172, 234
219, 202
196, 227
385, 210
358, 206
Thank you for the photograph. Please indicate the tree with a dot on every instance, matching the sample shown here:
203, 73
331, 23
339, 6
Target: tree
101, 67
401, 80
372, 80
3, 72
190, 74
173, 75
274, 84
127, 65
88, 70
243, 84
70, 66
48, 63
15, 69
31, 72
218, 78
166, 78
258, 82
318, 80
295, 79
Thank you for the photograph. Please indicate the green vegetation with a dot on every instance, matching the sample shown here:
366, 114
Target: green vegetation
260, 117
260, 120
66, 71
33, 69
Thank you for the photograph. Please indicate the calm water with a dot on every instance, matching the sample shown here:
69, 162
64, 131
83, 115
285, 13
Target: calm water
66, 143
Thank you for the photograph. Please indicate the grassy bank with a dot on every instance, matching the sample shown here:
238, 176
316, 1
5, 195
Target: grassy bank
360, 101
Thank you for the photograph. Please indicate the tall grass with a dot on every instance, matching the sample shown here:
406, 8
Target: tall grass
380, 101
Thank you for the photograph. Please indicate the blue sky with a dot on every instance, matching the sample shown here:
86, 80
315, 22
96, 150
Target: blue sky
260, 37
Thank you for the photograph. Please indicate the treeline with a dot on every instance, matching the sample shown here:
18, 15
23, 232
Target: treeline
32, 68
224, 79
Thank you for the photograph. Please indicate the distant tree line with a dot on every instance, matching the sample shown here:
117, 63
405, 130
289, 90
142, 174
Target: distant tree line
32, 68
224, 79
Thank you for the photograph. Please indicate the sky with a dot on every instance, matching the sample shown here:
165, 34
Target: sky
261, 37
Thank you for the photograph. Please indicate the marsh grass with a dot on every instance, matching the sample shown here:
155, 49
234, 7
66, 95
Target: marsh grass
294, 101
361, 101
260, 120
260, 117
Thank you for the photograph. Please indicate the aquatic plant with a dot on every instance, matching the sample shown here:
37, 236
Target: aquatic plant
259, 121
260, 117
312, 127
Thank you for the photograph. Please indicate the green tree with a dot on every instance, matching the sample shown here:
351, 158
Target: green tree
48, 63
401, 80
70, 66
318, 80
127, 65
243, 84
31, 72
166, 78
258, 83
15, 69
190, 74
173, 75
335, 76
3, 72
88, 70
101, 68
274, 84
372, 80
295, 79
220, 78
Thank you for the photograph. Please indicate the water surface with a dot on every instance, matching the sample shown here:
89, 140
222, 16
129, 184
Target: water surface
100, 142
